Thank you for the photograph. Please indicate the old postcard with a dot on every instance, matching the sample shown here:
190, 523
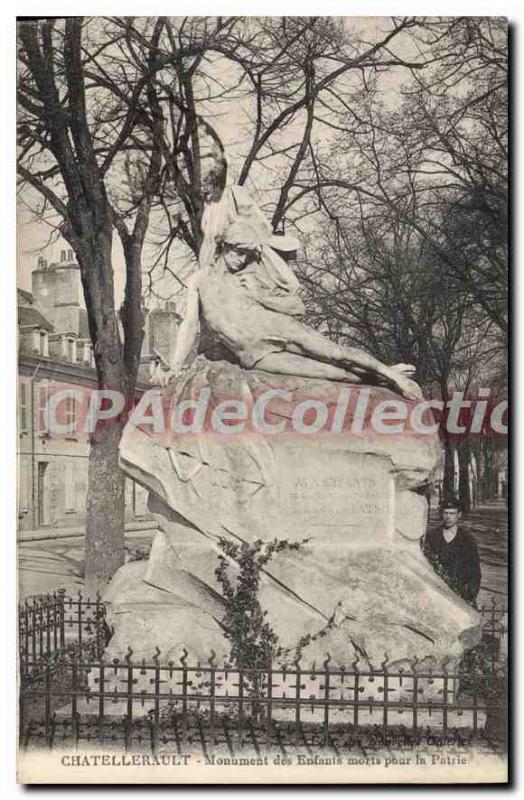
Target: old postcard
262, 400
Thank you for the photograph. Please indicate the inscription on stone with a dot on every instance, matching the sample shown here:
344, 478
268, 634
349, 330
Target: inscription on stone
339, 498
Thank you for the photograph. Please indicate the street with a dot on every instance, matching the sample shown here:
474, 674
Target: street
50, 564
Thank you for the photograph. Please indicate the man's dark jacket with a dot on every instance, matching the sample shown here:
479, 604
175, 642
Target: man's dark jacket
457, 562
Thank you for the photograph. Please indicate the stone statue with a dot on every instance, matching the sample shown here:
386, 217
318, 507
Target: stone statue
360, 585
248, 296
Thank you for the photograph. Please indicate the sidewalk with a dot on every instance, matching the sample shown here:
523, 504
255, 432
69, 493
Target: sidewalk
48, 533
58, 563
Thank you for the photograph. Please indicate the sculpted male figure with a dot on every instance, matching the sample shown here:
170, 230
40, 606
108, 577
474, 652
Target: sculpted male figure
248, 299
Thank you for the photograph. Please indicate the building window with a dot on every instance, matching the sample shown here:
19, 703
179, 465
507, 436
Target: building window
23, 405
70, 413
41, 342
69, 485
43, 493
71, 349
23, 489
91, 413
42, 397
44, 344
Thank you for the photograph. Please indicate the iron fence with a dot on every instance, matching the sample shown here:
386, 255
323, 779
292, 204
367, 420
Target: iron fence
71, 695
54, 623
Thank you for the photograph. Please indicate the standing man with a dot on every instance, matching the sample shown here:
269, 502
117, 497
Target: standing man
453, 553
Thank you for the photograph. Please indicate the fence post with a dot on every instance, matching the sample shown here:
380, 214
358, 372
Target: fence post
326, 698
101, 698
156, 710
414, 673
129, 700
24, 635
48, 609
183, 661
74, 698
211, 662
241, 705
445, 697
47, 700
493, 635
269, 700
61, 611
298, 681
21, 713
79, 619
33, 630
384, 666
40, 611
356, 694
55, 620
97, 624
475, 709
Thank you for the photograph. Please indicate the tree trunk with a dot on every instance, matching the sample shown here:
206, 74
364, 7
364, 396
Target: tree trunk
464, 456
104, 543
104, 546
448, 479
488, 461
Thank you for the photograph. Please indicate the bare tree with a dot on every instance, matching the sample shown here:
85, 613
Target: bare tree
116, 115
291, 76
414, 264
76, 117
439, 161
382, 288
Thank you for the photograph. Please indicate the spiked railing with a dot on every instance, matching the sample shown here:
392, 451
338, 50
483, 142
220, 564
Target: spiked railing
71, 694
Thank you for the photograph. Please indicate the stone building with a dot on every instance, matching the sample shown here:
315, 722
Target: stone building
55, 352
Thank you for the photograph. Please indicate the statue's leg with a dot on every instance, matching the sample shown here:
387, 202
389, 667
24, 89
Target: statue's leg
314, 344
285, 363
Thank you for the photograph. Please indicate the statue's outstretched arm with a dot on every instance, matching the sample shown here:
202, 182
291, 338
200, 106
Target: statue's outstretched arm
186, 336
188, 330
286, 304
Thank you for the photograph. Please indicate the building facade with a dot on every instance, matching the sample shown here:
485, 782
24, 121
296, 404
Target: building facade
55, 352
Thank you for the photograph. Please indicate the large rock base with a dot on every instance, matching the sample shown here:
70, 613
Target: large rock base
357, 588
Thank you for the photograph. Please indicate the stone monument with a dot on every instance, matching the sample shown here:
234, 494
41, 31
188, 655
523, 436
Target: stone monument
357, 498
280, 440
